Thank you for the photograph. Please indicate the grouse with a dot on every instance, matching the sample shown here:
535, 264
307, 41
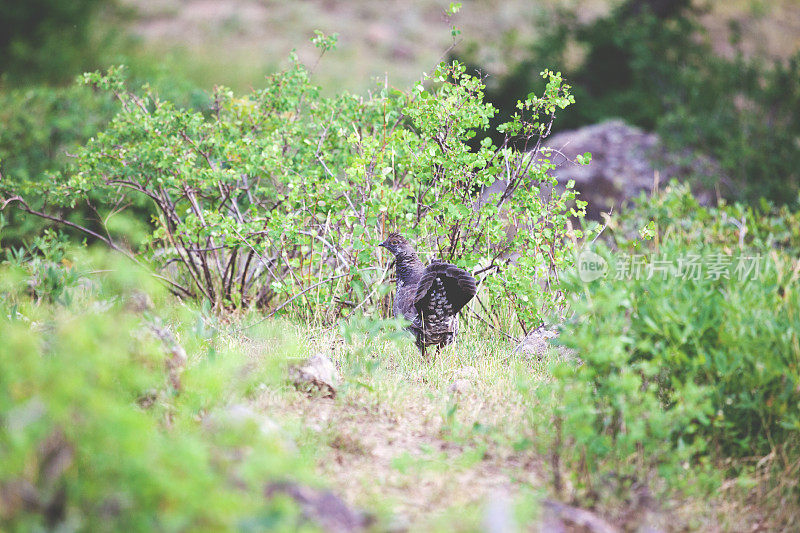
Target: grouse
428, 297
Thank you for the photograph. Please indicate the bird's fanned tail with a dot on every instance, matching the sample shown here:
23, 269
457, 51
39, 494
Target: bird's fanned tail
444, 290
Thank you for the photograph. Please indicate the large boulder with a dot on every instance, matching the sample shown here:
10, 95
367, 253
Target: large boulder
625, 161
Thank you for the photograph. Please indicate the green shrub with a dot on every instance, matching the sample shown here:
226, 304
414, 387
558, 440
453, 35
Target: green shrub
682, 367
43, 126
104, 428
280, 197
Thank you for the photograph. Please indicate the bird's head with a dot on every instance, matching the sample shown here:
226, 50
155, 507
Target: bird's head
398, 245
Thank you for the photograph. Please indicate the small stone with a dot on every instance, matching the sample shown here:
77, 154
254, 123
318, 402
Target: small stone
318, 373
536, 343
323, 507
460, 386
140, 302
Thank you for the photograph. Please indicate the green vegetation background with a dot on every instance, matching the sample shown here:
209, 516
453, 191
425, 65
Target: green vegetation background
688, 387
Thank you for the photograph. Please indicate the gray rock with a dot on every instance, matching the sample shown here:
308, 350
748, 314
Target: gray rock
537, 342
625, 160
498, 515
323, 507
317, 374
240, 414
557, 516
460, 386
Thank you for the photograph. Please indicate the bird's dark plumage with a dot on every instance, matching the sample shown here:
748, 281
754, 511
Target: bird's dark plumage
429, 297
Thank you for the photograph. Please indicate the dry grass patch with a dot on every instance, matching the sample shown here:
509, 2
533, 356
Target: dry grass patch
398, 441
400, 444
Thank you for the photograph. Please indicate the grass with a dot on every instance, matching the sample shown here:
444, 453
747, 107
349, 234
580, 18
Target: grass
399, 442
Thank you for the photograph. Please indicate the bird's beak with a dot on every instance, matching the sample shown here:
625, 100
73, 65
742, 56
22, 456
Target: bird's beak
384, 244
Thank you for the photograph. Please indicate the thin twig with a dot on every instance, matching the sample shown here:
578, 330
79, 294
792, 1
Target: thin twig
293, 298
479, 317
111, 244
375, 288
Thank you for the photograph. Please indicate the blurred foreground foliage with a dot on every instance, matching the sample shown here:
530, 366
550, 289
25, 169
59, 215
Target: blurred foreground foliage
107, 424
